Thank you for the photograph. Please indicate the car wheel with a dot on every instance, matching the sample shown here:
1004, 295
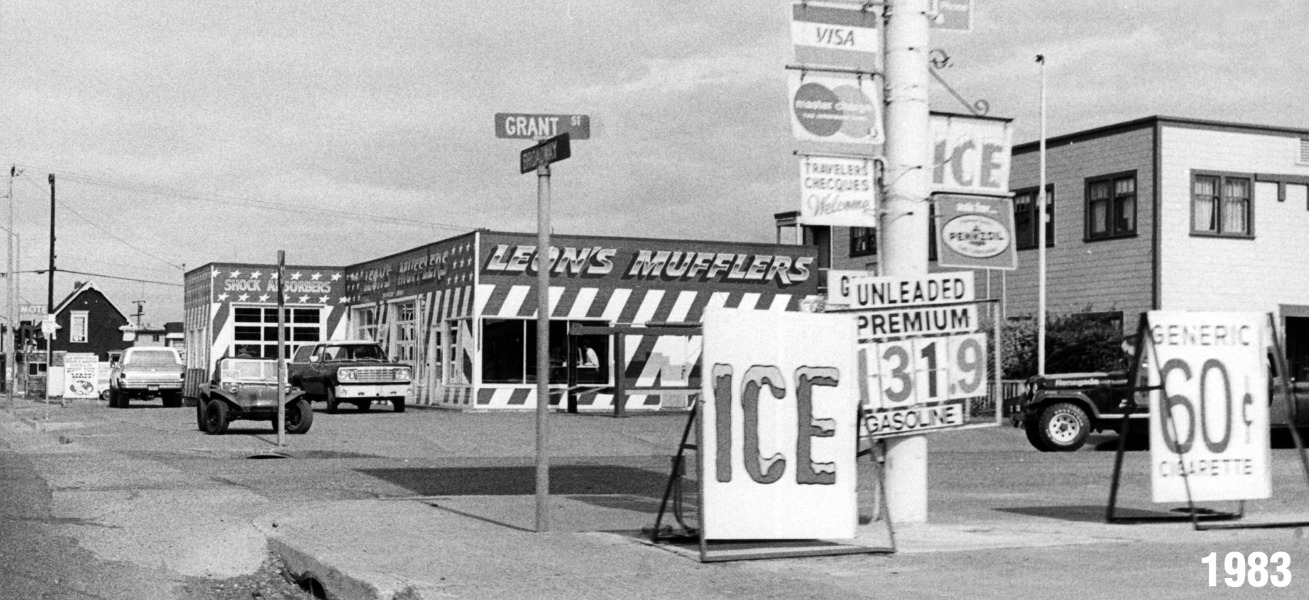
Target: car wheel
124, 400
216, 417
172, 399
113, 398
200, 413
331, 400
299, 416
1033, 431
399, 404
1063, 427
364, 406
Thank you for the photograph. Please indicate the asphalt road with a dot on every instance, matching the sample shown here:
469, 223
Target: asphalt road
133, 503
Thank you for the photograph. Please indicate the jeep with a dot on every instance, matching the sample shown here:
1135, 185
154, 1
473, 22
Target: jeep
247, 389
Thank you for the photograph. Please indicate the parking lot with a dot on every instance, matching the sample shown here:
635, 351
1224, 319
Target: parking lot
1001, 514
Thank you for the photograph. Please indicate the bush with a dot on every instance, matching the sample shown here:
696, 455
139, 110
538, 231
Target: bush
1073, 343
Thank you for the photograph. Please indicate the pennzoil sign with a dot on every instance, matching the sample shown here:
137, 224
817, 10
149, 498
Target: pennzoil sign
975, 232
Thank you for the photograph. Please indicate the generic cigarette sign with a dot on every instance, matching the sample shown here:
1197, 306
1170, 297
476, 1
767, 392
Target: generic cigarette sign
1209, 423
777, 426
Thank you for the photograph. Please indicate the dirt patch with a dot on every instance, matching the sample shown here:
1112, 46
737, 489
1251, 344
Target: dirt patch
271, 582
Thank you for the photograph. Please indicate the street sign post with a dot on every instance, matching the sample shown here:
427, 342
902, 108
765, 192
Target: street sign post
552, 150
525, 126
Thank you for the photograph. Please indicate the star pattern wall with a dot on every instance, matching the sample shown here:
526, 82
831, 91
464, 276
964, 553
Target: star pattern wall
313, 285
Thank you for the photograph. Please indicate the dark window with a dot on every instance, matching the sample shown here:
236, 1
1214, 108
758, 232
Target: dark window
1111, 206
863, 241
1026, 218
509, 352
1220, 205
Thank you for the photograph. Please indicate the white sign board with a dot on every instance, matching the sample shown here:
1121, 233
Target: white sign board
837, 192
951, 15
836, 108
975, 232
80, 375
841, 36
971, 155
899, 292
777, 426
909, 386
1209, 425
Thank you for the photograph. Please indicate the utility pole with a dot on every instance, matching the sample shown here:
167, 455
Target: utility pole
140, 311
904, 219
50, 294
11, 340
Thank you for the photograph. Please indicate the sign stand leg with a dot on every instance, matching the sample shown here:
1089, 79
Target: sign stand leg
1194, 514
1283, 378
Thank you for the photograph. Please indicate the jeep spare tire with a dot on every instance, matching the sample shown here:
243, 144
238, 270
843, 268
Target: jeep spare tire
1063, 427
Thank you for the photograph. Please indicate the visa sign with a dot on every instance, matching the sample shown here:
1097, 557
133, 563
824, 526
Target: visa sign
970, 154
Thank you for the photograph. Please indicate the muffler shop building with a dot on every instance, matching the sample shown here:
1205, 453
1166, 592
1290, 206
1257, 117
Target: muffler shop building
462, 311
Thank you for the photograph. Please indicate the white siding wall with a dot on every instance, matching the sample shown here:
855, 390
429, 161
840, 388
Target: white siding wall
1205, 273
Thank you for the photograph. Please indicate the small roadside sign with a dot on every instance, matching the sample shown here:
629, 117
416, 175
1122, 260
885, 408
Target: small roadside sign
552, 150
48, 325
975, 232
527, 126
835, 35
952, 15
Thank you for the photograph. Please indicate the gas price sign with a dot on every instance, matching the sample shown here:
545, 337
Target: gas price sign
1209, 422
913, 385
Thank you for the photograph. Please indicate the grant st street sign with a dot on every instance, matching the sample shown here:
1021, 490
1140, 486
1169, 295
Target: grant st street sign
532, 126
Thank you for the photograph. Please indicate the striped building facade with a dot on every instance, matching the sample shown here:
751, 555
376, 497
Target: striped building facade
462, 311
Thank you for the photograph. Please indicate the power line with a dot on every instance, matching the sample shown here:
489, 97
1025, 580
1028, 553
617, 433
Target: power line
102, 229
117, 277
241, 201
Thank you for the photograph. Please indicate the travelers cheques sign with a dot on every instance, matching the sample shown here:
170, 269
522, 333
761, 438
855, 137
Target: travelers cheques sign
975, 232
970, 155
777, 426
1209, 423
837, 191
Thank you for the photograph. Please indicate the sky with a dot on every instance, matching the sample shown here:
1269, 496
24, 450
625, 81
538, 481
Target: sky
183, 133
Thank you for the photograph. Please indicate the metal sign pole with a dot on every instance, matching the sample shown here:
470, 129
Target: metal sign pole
281, 350
542, 346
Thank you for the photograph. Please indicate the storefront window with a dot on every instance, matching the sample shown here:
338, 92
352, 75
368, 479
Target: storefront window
509, 352
256, 330
406, 328
365, 323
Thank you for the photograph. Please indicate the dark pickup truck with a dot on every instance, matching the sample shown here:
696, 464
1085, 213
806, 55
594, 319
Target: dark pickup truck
353, 371
1060, 411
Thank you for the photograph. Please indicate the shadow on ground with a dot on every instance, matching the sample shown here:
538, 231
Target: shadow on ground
515, 481
1093, 513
